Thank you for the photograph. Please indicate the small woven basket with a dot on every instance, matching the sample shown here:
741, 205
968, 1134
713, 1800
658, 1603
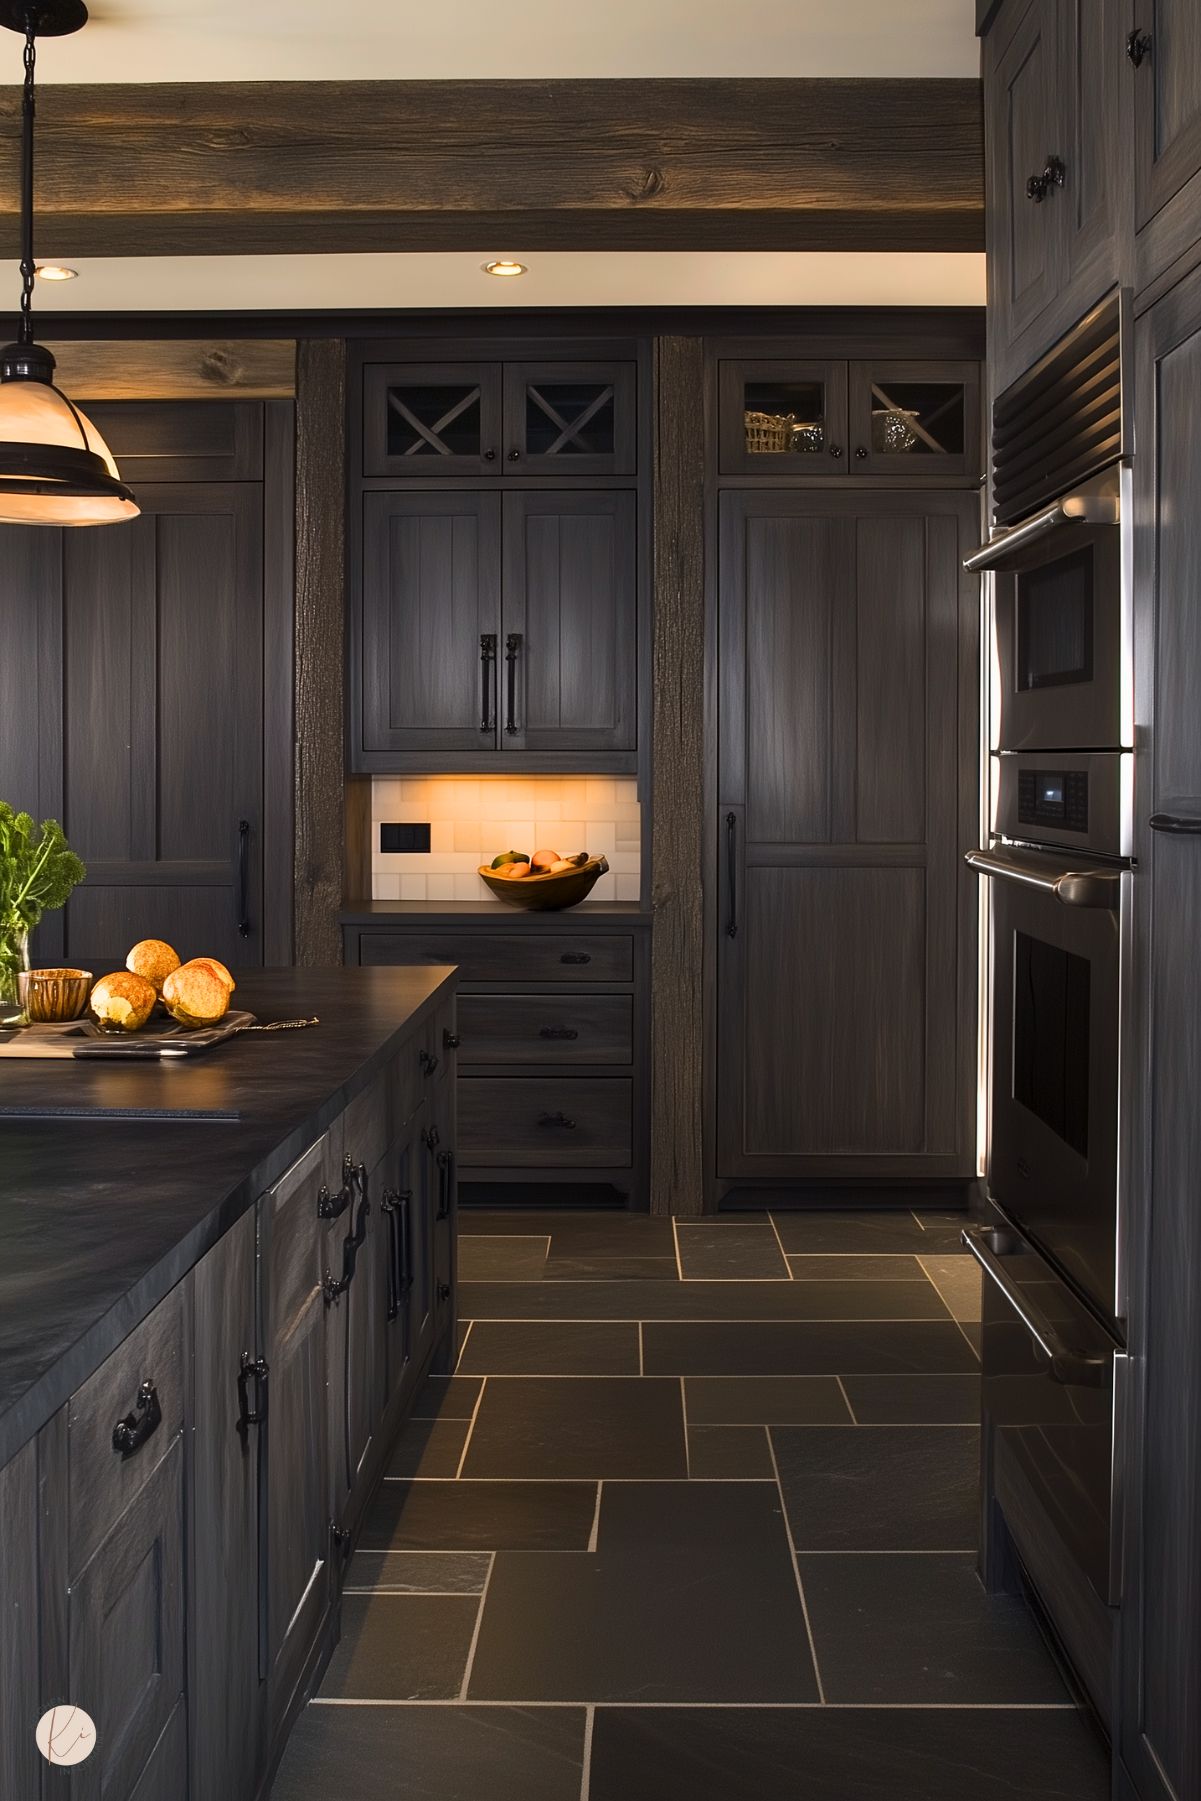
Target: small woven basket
768, 432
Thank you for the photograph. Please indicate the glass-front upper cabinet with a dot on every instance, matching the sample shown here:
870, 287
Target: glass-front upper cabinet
472, 419
570, 418
915, 418
431, 419
782, 418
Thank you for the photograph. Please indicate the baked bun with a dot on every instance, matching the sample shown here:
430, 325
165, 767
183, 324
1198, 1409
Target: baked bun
154, 960
196, 995
122, 1002
218, 969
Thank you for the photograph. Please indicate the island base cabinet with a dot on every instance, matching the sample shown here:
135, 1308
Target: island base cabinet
20, 1761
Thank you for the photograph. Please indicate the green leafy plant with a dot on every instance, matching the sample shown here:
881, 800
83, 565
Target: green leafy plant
38, 870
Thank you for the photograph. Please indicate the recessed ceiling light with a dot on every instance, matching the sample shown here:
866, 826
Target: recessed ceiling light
504, 265
55, 272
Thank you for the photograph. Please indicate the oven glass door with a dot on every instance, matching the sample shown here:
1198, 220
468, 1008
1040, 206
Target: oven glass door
1053, 1146
1059, 642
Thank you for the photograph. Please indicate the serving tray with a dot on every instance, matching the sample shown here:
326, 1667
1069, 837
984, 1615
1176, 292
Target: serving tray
83, 1038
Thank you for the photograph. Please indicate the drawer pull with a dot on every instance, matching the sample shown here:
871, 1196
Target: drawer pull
252, 1369
431, 1138
558, 1032
451, 1040
395, 1207
352, 1244
445, 1183
557, 1119
575, 957
444, 1291
131, 1433
428, 1061
332, 1206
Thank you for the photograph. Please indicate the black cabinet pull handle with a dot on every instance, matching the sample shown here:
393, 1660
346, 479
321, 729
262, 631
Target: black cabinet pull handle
395, 1207
243, 878
575, 957
1180, 824
557, 1119
428, 1061
131, 1433
252, 1369
339, 1538
333, 1206
451, 1040
1138, 46
558, 1032
1054, 174
431, 1138
732, 873
352, 1244
487, 681
512, 652
444, 1184
444, 1291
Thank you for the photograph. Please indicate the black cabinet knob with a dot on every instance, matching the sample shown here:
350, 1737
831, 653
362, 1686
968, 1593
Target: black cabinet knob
1138, 47
451, 1040
444, 1291
514, 456
131, 1433
489, 456
861, 453
836, 450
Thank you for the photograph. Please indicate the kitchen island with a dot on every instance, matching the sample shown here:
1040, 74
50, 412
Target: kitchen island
223, 1280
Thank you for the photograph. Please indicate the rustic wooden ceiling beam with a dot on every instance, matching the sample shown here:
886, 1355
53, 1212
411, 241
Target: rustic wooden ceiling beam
211, 168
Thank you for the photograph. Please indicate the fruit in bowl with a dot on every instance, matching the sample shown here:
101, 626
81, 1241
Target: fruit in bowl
122, 1002
547, 881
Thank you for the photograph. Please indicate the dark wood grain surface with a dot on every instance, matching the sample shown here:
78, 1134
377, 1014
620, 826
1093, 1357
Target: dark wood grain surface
100, 1217
186, 167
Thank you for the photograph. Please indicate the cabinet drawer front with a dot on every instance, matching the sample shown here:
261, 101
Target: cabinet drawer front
509, 957
554, 1028
544, 1124
104, 1479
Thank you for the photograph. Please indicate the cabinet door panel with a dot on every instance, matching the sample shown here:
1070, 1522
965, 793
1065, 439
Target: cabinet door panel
434, 419
566, 419
1167, 89
1023, 130
570, 649
431, 590
20, 1760
126, 1635
915, 418
847, 764
1093, 57
163, 724
780, 418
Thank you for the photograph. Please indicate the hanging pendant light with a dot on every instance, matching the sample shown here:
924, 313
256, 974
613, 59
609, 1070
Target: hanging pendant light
55, 468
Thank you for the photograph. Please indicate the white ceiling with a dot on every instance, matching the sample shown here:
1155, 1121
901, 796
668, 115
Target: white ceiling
211, 284
295, 40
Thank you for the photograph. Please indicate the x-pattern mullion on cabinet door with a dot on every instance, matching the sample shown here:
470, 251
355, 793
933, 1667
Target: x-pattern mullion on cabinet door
569, 431
912, 421
430, 433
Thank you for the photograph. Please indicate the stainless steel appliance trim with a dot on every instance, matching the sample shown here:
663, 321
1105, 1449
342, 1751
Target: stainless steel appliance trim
1119, 1415
1073, 510
1068, 1367
1074, 887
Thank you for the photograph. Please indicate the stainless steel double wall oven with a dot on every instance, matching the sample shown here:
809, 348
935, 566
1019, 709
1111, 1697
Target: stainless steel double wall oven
1061, 889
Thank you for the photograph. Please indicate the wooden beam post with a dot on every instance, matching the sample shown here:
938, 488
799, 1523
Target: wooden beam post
320, 657
677, 794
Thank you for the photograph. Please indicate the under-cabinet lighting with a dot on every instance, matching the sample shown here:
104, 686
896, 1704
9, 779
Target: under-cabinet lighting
503, 266
55, 272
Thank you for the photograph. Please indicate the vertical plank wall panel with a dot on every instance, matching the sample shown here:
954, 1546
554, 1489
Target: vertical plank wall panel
320, 659
677, 799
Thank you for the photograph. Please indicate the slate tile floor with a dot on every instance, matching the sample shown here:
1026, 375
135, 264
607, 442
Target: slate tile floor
693, 1521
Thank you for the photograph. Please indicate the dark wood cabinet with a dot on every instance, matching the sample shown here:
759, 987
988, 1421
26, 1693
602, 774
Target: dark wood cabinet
1025, 123
141, 677
495, 626
1159, 1733
20, 1625
1167, 106
569, 627
552, 417
780, 417
915, 418
847, 758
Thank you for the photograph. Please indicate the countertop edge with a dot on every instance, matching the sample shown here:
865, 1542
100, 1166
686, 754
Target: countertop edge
26, 1416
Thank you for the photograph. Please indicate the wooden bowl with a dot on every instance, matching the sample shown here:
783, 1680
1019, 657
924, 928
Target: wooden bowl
547, 893
54, 994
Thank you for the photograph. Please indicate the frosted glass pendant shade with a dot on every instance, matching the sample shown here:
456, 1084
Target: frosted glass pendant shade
55, 468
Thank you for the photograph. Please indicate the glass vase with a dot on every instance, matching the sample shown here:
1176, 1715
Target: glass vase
14, 957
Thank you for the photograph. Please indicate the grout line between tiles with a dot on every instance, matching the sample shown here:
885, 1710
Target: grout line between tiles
684, 1418
971, 1347
641, 1352
475, 1636
404, 1594
919, 1222
594, 1535
796, 1569
586, 1767
728, 1706
470, 1429
846, 1397
675, 1239
780, 1242
766, 1319
463, 1346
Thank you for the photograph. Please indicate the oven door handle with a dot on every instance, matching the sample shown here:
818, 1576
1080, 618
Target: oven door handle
1091, 886
1072, 1369
1006, 550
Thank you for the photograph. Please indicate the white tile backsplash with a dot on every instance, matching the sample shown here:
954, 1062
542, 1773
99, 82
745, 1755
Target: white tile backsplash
473, 818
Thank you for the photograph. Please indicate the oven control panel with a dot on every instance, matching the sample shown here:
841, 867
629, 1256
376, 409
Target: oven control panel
1054, 797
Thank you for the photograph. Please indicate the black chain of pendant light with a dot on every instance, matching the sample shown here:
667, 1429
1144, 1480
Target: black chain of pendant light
28, 266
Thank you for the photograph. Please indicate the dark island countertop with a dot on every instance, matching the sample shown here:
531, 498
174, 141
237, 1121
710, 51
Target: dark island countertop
586, 917
107, 1200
